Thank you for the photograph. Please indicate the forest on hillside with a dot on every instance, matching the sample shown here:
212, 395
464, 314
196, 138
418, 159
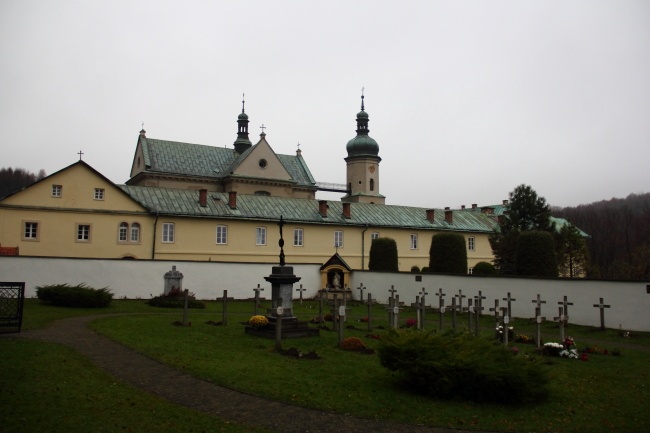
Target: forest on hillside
619, 236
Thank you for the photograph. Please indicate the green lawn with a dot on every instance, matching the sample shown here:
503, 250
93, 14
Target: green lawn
604, 394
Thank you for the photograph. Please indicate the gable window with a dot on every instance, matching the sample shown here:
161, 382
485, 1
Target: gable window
168, 233
470, 243
414, 241
135, 232
30, 231
260, 236
57, 190
99, 194
338, 239
122, 232
83, 232
222, 235
374, 236
298, 237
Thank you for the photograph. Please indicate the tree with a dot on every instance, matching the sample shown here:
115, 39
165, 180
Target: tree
448, 254
571, 252
383, 255
526, 211
536, 254
484, 268
13, 179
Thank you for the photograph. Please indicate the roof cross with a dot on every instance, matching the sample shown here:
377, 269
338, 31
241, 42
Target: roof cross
80, 153
263, 128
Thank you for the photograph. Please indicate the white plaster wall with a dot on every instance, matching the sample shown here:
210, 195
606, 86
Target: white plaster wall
630, 301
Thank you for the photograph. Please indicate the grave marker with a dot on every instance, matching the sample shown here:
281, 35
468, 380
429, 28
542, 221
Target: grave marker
361, 289
257, 299
186, 296
479, 303
565, 305
602, 307
224, 308
470, 313
538, 308
300, 290
460, 297
369, 303
561, 318
509, 300
496, 310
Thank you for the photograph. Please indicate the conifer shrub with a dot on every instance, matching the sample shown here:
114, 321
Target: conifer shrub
448, 254
462, 366
175, 299
536, 254
484, 268
79, 296
383, 255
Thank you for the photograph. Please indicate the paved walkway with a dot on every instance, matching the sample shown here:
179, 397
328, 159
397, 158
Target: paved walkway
182, 389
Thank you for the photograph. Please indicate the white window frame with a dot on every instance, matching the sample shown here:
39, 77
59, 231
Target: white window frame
298, 237
99, 194
414, 241
84, 232
123, 232
57, 191
134, 233
471, 243
260, 236
338, 239
222, 235
30, 230
168, 233
374, 235
470, 271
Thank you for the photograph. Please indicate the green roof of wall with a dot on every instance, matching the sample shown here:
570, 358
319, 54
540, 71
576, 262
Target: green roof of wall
181, 202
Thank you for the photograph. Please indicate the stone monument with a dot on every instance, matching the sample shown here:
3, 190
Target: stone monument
173, 280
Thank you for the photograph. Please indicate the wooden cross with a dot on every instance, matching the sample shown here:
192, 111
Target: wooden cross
323, 294
440, 295
509, 299
479, 303
453, 309
392, 291
369, 303
539, 319
470, 312
224, 309
561, 318
602, 307
257, 299
538, 308
361, 289
565, 305
506, 320
460, 297
301, 290
478, 309
496, 311
441, 312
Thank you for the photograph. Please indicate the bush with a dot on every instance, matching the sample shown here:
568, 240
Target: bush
175, 299
79, 296
462, 366
415, 269
536, 254
383, 255
258, 321
448, 254
484, 268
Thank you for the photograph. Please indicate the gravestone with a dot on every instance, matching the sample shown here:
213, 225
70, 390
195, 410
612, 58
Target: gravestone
602, 307
460, 297
224, 306
509, 300
369, 303
561, 319
301, 290
257, 299
361, 289
173, 280
565, 305
497, 312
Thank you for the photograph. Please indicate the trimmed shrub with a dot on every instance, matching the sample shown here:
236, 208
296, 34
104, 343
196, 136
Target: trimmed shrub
79, 296
484, 268
462, 366
383, 255
448, 254
415, 269
536, 254
175, 299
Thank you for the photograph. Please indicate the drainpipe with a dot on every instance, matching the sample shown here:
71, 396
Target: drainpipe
363, 246
153, 247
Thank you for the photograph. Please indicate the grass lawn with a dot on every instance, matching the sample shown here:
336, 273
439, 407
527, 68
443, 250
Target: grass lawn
605, 394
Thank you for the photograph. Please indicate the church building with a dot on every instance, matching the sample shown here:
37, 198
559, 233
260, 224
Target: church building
204, 203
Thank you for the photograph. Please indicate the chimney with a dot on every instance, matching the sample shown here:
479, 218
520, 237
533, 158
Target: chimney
322, 208
430, 215
232, 199
474, 205
346, 210
449, 215
505, 202
487, 210
462, 207
143, 133
203, 197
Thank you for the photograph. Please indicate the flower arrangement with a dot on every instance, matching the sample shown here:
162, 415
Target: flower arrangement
411, 322
364, 319
524, 339
352, 344
552, 349
569, 353
258, 321
500, 330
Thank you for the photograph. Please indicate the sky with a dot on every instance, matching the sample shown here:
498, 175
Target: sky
467, 99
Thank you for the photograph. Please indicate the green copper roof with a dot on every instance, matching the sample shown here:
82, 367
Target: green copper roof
362, 145
181, 202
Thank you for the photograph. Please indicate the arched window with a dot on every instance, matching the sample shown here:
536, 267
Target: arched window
122, 233
135, 232
372, 184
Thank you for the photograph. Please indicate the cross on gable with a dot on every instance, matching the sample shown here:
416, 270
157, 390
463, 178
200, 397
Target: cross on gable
263, 128
80, 153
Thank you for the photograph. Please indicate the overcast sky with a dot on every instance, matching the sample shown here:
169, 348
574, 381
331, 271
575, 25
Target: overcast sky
466, 99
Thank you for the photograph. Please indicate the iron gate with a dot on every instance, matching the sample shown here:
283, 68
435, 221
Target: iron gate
12, 298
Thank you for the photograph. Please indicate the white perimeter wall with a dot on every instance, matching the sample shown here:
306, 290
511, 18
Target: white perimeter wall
630, 301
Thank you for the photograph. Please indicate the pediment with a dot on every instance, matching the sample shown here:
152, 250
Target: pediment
262, 162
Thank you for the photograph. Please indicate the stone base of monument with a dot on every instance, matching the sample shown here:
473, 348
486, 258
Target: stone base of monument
291, 328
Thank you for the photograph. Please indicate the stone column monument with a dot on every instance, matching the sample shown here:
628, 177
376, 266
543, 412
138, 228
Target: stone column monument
282, 279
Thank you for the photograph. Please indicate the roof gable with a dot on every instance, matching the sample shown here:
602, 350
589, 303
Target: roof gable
262, 162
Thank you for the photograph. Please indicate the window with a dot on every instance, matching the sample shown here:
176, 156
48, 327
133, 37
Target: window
57, 190
30, 232
470, 243
414, 241
374, 236
83, 232
298, 237
99, 194
260, 236
124, 229
372, 184
338, 239
168, 236
222, 234
135, 232
470, 271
